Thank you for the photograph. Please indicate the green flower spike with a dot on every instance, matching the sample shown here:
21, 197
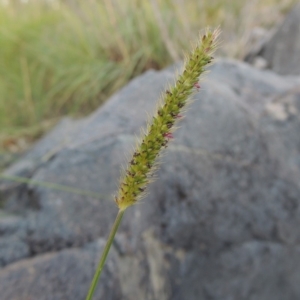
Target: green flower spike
159, 133
157, 136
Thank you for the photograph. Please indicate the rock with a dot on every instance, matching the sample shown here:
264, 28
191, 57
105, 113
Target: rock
58, 276
221, 222
260, 63
281, 51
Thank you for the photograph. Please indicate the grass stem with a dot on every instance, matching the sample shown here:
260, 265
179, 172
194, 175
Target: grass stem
104, 255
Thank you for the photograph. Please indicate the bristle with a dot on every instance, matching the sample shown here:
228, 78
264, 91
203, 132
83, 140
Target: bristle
160, 128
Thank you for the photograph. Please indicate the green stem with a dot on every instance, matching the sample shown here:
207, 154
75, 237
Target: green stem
104, 254
50, 185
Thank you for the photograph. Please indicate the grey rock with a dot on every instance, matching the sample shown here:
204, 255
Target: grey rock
221, 222
20, 250
58, 276
281, 51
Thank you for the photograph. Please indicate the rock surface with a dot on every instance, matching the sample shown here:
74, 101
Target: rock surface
281, 52
221, 222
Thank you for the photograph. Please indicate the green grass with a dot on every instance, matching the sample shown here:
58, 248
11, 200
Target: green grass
68, 57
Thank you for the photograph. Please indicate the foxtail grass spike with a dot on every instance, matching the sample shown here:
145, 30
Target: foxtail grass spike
160, 131
157, 137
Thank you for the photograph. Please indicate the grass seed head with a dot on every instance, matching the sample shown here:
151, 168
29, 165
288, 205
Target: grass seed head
160, 131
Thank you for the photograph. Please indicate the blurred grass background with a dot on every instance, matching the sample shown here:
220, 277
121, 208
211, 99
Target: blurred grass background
67, 57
